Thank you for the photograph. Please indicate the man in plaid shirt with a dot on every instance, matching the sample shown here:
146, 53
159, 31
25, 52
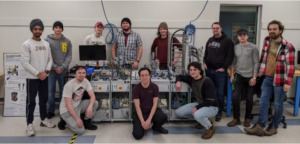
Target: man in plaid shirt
277, 66
128, 44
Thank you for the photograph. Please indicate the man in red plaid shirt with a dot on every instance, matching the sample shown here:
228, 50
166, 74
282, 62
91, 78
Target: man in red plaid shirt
277, 66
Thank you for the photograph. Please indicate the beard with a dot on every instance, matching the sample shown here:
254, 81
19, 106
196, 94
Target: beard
126, 30
274, 35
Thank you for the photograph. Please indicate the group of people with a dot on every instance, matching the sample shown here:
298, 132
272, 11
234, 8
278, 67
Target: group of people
46, 61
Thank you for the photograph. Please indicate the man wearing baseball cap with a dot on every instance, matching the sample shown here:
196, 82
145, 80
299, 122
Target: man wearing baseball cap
243, 76
37, 61
96, 38
61, 51
128, 44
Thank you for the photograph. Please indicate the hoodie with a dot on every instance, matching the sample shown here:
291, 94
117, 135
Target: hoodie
61, 50
219, 52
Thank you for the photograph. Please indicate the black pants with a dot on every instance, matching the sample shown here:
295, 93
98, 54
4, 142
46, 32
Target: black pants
34, 87
159, 118
242, 84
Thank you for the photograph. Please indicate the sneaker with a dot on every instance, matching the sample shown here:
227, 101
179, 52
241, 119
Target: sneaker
161, 130
271, 130
199, 126
247, 122
47, 123
219, 116
255, 130
30, 131
209, 133
88, 125
234, 122
50, 115
61, 124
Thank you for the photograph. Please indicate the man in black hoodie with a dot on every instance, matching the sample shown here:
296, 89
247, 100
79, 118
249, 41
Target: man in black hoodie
218, 56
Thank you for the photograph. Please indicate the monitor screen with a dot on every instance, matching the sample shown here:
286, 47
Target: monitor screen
298, 60
92, 52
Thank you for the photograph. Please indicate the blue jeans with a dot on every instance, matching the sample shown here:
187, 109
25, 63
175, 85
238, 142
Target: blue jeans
219, 79
267, 91
52, 89
201, 115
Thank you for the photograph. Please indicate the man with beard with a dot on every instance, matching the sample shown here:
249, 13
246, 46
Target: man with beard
128, 44
37, 61
277, 67
219, 54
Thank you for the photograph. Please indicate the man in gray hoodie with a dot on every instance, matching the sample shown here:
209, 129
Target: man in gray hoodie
61, 50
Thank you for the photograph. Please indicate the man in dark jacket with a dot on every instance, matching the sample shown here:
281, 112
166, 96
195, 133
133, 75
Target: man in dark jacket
218, 56
204, 90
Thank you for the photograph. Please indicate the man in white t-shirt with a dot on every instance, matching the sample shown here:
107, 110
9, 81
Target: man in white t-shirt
96, 38
74, 111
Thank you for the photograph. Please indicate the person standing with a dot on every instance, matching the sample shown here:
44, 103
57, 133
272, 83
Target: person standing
160, 46
218, 57
128, 44
37, 61
61, 51
243, 77
277, 65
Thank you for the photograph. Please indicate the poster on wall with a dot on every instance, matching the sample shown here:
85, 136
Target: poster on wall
15, 86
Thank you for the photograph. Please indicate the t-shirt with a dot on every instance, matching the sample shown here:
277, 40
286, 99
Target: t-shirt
146, 96
75, 91
93, 40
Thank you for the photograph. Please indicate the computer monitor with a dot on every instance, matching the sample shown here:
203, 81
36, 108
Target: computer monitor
92, 52
298, 57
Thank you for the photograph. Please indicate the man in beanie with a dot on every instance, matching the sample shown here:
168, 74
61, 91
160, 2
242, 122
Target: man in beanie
127, 44
37, 61
96, 39
243, 77
61, 51
160, 46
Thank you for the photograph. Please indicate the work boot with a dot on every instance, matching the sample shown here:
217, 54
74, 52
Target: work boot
234, 122
255, 130
61, 124
271, 130
88, 124
209, 133
160, 130
199, 126
247, 122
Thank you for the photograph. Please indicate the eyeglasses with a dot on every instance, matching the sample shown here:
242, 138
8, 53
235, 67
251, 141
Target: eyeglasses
144, 75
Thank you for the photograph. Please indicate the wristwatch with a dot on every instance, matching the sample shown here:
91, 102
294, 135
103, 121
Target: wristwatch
47, 71
137, 61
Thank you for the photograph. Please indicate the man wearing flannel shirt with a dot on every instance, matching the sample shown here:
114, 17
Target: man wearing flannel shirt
127, 45
277, 66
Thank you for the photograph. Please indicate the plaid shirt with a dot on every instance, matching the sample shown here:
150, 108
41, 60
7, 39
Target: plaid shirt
284, 62
130, 51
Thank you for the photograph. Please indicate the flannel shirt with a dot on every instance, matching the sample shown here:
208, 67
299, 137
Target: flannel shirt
130, 51
285, 62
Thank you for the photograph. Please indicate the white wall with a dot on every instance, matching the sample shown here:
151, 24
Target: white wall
79, 17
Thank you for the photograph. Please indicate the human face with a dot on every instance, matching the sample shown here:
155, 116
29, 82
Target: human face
98, 30
216, 29
195, 73
274, 31
243, 38
80, 75
125, 26
37, 32
57, 30
145, 77
163, 32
